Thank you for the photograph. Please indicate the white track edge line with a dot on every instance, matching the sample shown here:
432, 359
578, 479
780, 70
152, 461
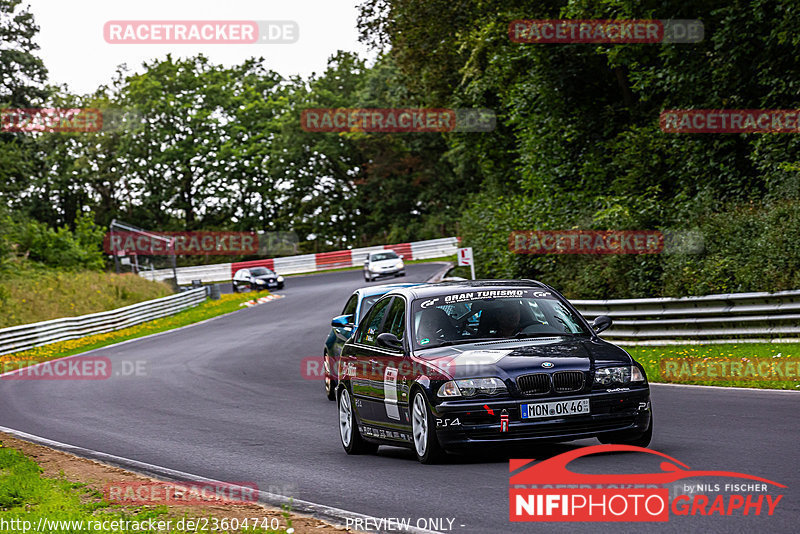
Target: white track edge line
319, 511
731, 388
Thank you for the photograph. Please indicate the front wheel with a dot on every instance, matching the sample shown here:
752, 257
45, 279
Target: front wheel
423, 431
352, 441
367, 277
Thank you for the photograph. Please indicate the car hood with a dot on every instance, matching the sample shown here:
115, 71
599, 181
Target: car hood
512, 358
265, 276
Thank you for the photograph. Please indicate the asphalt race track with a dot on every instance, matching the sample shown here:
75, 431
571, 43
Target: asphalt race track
226, 400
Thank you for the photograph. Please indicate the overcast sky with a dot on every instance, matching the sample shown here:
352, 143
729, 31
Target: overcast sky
74, 51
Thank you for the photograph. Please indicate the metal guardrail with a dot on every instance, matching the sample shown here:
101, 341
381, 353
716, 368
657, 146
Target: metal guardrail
727, 318
23, 337
204, 273
421, 250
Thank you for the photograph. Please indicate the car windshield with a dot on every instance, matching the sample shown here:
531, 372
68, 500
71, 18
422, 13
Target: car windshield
385, 256
492, 314
260, 271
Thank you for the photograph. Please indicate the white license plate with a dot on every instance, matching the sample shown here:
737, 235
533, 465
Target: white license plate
555, 409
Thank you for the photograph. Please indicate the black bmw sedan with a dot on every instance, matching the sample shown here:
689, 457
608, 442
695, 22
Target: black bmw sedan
441, 367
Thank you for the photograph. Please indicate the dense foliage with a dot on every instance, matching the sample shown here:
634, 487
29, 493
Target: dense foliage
577, 144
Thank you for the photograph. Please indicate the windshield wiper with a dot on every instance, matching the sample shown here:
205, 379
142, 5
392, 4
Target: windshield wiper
542, 334
464, 340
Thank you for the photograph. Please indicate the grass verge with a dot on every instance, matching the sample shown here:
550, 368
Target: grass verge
28, 500
46, 490
32, 293
710, 365
205, 310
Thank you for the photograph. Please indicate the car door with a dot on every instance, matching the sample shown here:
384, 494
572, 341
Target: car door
395, 368
383, 401
241, 280
358, 360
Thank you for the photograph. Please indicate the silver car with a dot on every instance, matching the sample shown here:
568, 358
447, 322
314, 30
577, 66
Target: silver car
383, 263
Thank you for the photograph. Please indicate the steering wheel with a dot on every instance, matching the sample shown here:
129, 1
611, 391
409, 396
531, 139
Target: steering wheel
464, 327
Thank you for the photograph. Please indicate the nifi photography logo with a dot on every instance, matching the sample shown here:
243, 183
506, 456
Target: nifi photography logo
549, 491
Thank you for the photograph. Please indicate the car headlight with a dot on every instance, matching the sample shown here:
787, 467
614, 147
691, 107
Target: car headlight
280, 279
612, 375
449, 389
260, 282
472, 386
399, 264
636, 374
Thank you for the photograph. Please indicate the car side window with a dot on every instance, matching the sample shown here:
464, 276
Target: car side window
395, 321
350, 307
370, 326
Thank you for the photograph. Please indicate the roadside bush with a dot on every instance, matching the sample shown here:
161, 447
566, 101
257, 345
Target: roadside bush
60, 248
745, 248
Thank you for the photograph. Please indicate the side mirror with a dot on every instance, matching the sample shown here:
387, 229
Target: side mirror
402, 256
390, 341
601, 322
342, 321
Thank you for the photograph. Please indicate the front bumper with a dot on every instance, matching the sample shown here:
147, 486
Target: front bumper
269, 284
388, 272
609, 412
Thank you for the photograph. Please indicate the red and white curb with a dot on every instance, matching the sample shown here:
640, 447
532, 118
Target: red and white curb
262, 300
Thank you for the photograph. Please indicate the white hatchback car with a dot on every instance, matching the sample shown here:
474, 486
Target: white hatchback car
384, 263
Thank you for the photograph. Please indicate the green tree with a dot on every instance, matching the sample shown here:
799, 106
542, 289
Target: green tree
22, 79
